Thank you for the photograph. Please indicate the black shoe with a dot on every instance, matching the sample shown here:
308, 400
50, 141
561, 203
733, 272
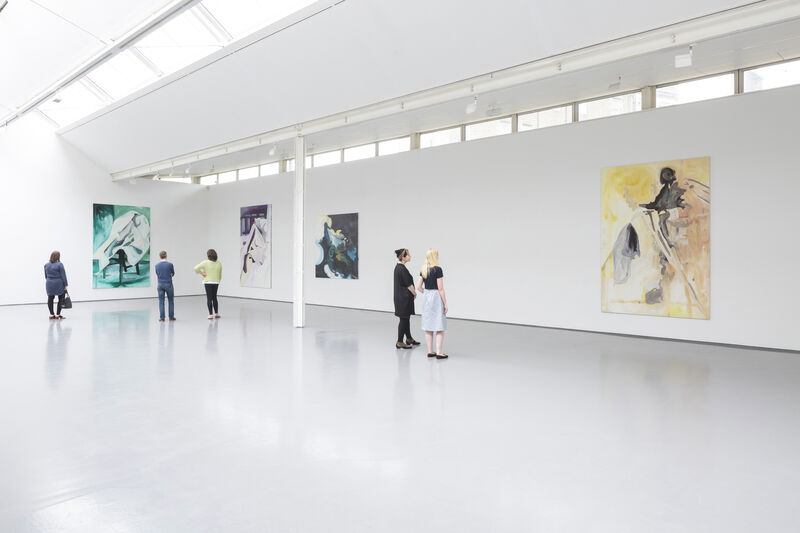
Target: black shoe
411, 341
441, 356
172, 319
402, 345
431, 355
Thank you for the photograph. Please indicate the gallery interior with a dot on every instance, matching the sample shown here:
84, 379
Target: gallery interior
621, 357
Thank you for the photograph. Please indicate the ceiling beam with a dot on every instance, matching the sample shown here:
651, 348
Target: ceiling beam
677, 35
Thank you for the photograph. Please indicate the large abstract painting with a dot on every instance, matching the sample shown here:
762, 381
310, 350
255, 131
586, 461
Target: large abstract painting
255, 238
121, 243
337, 246
656, 236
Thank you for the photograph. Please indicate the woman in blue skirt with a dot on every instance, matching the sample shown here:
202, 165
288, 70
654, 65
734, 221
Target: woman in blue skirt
434, 303
55, 283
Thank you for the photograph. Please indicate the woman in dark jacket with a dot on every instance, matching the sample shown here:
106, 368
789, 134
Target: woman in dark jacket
404, 294
55, 282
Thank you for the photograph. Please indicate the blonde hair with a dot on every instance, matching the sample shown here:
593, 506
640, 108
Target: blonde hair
431, 260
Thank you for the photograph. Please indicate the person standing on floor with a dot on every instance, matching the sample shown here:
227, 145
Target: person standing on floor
404, 295
55, 283
165, 271
434, 303
211, 270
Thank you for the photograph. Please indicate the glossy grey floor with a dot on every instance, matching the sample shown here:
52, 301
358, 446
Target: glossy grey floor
114, 422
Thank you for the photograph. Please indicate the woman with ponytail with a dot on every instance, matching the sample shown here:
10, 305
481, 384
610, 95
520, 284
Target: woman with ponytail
434, 303
404, 295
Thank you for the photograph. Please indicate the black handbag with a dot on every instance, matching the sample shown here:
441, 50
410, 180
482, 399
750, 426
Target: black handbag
67, 303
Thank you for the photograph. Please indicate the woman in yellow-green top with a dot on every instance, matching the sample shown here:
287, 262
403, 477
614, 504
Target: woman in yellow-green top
211, 270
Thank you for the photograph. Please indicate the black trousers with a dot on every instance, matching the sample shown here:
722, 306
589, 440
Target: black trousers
50, 304
404, 329
211, 298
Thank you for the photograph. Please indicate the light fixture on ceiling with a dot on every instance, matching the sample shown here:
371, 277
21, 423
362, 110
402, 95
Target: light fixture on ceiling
684, 60
493, 111
472, 106
273, 149
616, 85
3, 4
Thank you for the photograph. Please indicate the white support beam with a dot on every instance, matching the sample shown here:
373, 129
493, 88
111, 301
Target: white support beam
298, 294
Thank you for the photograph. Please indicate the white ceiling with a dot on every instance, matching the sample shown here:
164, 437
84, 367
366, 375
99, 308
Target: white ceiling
43, 40
357, 53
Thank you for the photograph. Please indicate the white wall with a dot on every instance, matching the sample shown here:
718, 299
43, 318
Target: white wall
226, 200
48, 190
517, 219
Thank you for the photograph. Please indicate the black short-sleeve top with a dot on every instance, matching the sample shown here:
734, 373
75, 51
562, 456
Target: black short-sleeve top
434, 273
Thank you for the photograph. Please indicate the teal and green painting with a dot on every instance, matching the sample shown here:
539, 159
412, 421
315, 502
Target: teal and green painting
121, 244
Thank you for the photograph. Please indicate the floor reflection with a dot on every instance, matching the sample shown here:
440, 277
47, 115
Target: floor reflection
166, 348
211, 337
58, 336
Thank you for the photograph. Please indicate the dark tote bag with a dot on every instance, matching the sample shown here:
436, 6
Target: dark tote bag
67, 303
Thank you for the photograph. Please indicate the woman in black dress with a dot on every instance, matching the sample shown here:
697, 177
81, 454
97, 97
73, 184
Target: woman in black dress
404, 294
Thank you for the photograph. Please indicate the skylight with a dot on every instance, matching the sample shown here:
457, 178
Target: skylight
184, 39
72, 103
122, 74
243, 17
190, 36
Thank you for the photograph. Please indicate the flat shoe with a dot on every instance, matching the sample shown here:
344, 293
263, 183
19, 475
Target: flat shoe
52, 317
402, 345
441, 356
172, 318
61, 317
431, 355
412, 342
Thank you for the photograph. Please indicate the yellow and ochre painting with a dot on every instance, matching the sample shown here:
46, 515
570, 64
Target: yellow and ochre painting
656, 232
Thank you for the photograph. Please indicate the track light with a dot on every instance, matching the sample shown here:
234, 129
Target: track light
273, 149
472, 106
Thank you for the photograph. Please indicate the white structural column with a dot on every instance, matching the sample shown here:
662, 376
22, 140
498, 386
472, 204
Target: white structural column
299, 296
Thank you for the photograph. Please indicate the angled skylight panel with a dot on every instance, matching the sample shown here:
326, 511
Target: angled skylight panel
73, 102
183, 40
243, 17
122, 74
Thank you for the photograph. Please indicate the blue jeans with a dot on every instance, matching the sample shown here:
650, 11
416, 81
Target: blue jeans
169, 291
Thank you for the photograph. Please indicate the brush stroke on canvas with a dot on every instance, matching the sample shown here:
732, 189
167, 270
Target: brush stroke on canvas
337, 246
121, 239
255, 246
656, 239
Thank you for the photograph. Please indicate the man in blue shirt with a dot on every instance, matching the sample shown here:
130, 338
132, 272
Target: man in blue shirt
165, 271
